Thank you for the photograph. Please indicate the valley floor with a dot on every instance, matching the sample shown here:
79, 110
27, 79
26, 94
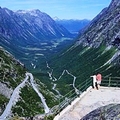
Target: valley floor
91, 100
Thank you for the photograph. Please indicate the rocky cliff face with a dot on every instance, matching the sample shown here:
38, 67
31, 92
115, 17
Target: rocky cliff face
104, 28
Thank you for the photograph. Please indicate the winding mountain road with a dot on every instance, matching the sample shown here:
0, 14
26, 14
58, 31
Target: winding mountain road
39, 94
15, 96
55, 79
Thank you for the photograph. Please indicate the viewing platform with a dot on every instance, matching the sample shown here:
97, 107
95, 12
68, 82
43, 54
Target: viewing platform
88, 101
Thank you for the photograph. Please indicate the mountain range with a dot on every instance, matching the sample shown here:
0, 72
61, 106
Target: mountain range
96, 49
73, 25
30, 34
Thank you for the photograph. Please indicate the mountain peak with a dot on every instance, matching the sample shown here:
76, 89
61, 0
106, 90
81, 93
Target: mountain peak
33, 12
56, 18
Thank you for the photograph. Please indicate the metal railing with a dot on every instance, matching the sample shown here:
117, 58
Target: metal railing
111, 82
71, 96
65, 100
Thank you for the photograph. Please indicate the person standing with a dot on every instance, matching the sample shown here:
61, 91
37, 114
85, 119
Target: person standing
99, 79
94, 81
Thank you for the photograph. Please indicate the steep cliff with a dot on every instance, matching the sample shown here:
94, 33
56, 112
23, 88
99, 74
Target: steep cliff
104, 28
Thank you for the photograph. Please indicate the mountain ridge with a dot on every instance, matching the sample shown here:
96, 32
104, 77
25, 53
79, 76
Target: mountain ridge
22, 32
98, 30
73, 25
17, 25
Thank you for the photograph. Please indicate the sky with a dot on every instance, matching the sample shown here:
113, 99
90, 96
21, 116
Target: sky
63, 9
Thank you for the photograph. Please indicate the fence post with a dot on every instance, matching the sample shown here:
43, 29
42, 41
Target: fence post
109, 81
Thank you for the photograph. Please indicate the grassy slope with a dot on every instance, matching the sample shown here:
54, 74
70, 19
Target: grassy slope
82, 63
12, 74
11, 71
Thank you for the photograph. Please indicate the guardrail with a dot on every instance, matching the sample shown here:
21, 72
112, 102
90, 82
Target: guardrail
111, 82
65, 100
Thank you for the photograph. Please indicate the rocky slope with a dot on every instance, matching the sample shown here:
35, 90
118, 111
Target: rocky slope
104, 28
108, 112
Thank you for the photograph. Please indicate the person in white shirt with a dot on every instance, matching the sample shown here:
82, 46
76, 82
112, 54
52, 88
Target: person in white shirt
94, 81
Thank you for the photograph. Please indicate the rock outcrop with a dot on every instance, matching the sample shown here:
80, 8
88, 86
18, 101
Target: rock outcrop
108, 112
